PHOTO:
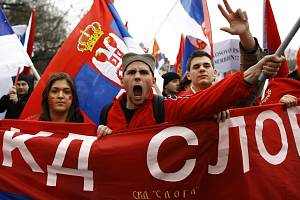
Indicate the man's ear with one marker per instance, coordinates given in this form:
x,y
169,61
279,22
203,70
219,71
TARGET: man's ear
x,y
122,81
188,75
154,80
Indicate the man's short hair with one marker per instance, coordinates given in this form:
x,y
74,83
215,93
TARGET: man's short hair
x,y
129,58
195,54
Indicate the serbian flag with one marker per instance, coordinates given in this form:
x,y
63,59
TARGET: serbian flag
x,y
198,23
191,44
206,26
159,58
12,54
178,64
92,55
156,50
271,38
197,29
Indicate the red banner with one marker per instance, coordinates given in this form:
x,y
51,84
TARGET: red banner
x,y
252,155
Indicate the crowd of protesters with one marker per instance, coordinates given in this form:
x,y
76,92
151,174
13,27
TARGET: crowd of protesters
x,y
193,98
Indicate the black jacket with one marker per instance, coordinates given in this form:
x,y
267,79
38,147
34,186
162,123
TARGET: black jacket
x,y
13,110
294,75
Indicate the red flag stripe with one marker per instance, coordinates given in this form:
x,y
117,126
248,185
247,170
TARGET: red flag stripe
x,y
178,64
272,38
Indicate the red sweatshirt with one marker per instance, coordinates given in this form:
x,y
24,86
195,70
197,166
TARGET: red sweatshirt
x,y
204,104
187,92
279,87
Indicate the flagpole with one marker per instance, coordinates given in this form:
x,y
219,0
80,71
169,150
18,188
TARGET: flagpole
x,y
35,72
165,19
17,77
283,46
262,78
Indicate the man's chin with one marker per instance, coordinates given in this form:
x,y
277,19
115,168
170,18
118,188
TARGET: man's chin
x,y
138,100
205,83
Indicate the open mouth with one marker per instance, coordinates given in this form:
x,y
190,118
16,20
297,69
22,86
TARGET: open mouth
x,y
137,90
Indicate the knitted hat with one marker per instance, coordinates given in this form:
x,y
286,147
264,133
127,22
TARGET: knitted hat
x,y
129,58
170,76
29,79
22,77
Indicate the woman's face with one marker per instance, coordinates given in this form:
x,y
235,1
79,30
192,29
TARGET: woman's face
x,y
60,96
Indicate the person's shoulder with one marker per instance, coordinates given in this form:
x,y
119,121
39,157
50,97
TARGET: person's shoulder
x,y
6,96
187,92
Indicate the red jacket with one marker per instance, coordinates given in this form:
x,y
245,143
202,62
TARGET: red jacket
x,y
279,87
187,92
204,104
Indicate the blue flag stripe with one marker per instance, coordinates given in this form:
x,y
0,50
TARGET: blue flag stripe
x,y
188,50
5,28
9,196
195,9
117,24
94,92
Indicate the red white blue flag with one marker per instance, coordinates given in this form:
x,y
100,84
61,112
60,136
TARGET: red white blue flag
x,y
92,55
12,54
197,29
178,64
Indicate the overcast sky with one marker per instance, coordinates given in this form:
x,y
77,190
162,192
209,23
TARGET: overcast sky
x,y
145,19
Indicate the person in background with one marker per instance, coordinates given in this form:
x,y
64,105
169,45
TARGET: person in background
x,y
184,84
171,84
200,71
291,100
14,102
60,101
200,66
283,90
295,74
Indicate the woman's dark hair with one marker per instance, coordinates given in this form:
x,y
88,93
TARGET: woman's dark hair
x,y
73,115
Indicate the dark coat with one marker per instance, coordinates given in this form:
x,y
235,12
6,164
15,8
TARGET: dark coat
x,y
13,110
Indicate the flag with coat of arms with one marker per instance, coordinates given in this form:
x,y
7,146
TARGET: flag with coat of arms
x,y
92,55
192,18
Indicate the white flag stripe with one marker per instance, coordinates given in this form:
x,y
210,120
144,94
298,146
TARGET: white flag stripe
x,y
12,55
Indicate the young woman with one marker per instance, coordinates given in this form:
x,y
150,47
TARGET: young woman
x,y
60,101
